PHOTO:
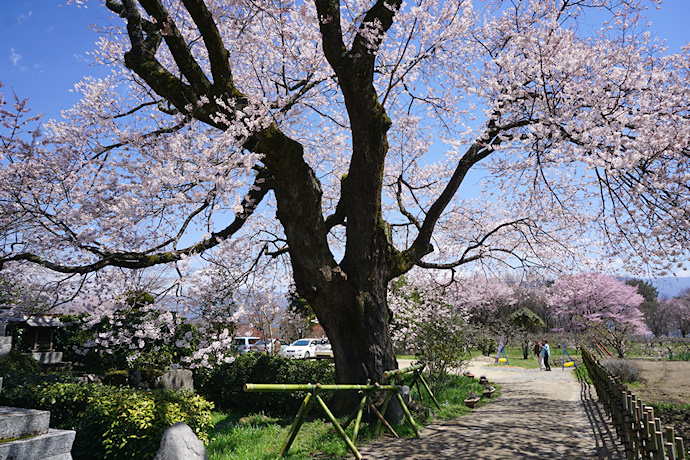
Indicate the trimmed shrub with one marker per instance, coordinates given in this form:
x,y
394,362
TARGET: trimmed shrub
x,y
19,368
116,378
680,356
487,346
622,369
114,422
224,385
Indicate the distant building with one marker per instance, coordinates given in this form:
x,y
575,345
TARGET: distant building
x,y
38,332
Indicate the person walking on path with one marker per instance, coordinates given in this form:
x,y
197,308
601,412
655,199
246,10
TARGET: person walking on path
x,y
546,353
537,417
537,353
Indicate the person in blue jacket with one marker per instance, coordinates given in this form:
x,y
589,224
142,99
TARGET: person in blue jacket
x,y
546,353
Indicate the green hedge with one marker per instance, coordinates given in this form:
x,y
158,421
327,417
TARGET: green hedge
x,y
113,422
224,385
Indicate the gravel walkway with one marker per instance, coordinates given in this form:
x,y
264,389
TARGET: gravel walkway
x,y
540,415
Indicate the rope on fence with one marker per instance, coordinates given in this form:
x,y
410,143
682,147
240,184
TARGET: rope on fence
x,y
636,426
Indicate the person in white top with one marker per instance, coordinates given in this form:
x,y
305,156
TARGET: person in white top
x,y
538,354
546,353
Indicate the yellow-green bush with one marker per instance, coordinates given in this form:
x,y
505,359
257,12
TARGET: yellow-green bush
x,y
114,422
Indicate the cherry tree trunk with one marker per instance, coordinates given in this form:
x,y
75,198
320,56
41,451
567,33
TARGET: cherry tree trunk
x,y
357,325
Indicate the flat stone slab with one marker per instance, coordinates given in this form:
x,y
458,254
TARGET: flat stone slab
x,y
54,445
19,423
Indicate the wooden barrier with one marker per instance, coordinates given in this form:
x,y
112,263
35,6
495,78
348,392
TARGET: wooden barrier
x,y
636,426
313,394
417,370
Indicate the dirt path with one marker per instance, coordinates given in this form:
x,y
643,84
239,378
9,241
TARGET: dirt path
x,y
540,415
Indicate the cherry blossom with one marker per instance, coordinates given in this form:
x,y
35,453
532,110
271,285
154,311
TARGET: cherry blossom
x,y
338,146
598,303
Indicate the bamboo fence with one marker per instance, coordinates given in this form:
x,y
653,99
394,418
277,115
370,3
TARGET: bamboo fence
x,y
636,426
417,370
313,391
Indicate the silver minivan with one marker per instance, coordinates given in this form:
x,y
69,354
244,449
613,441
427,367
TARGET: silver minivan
x,y
244,344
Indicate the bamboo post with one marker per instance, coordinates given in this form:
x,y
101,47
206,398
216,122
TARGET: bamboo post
x,y
642,428
297,423
405,370
419,390
428,390
384,407
338,428
408,415
313,393
417,369
382,419
358,410
358,420
286,387
634,425
415,383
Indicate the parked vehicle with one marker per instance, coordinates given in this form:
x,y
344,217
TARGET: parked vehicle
x,y
302,348
244,344
268,346
324,350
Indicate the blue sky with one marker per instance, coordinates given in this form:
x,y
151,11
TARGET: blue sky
x,y
43,46
43,50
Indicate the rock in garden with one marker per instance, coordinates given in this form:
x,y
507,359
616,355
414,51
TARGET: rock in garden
x,y
177,379
394,413
180,443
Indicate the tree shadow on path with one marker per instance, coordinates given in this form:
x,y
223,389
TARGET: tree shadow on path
x,y
535,418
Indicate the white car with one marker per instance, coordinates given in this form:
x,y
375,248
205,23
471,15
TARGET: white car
x,y
302,348
324,350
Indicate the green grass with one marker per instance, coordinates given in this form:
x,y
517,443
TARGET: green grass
x,y
257,437
405,357
515,358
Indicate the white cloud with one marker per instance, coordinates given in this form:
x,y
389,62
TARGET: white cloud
x,y
15,57
23,17
81,58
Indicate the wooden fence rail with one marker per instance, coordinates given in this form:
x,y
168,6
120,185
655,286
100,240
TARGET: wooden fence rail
x,y
636,426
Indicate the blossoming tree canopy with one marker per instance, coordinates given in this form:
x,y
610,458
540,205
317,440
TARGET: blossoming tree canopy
x,y
599,302
266,132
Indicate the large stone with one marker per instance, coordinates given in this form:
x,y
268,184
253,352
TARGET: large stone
x,y
177,379
19,423
54,445
180,443
5,345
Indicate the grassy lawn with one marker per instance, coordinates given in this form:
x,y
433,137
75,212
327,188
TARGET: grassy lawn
x,y
515,358
259,437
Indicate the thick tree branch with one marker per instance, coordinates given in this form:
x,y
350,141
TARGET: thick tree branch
x,y
262,185
401,262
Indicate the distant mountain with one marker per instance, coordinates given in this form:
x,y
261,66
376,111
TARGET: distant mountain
x,y
671,286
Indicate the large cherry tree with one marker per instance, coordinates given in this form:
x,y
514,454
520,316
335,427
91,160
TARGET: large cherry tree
x,y
345,140
599,304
